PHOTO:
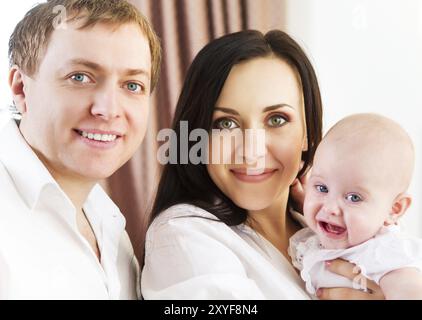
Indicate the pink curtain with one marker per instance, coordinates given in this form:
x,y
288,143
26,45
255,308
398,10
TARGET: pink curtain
x,y
184,27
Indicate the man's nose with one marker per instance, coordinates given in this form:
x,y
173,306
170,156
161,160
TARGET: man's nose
x,y
106,104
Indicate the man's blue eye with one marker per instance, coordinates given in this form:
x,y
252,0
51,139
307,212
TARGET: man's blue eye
x,y
321,188
353,197
79,77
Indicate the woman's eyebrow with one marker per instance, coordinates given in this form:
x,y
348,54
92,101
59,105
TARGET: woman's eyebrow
x,y
266,109
277,106
227,110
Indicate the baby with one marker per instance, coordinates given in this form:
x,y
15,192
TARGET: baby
x,y
355,195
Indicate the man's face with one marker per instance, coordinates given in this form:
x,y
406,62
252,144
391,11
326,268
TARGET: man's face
x,y
86,109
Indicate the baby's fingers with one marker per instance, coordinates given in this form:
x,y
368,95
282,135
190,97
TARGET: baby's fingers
x,y
352,272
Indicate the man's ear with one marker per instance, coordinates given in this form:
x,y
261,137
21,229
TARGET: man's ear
x,y
17,81
401,203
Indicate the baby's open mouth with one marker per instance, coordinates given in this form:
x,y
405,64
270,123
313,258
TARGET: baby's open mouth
x,y
332,229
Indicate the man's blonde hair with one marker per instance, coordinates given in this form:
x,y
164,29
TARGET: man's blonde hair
x,y
31,36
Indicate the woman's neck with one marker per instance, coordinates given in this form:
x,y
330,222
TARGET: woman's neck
x,y
274,224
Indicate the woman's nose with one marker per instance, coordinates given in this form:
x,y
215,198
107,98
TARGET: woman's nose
x,y
254,146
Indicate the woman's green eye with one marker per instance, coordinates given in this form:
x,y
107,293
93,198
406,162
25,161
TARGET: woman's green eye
x,y
276,121
134,87
226,124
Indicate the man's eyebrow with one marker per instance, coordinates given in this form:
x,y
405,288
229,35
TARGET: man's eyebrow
x,y
136,72
86,63
266,109
95,66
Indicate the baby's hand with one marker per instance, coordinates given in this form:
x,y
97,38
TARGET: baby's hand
x,y
349,270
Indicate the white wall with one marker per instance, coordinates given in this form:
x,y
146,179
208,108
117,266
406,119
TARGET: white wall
x,y
368,57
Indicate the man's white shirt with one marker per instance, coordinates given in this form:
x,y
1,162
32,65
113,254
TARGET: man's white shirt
x,y
42,253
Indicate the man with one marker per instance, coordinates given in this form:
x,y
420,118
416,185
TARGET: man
x,y
82,73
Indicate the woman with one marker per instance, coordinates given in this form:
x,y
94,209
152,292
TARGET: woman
x,y
221,230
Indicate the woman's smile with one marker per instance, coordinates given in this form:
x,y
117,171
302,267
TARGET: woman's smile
x,y
253,174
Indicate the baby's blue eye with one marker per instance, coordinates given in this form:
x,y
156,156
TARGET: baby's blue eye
x,y
276,121
353,197
321,188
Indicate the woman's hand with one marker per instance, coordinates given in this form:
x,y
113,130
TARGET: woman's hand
x,y
351,272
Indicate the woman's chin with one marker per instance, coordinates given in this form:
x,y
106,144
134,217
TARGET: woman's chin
x,y
253,203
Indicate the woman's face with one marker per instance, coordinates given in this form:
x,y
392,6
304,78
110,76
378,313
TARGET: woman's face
x,y
257,157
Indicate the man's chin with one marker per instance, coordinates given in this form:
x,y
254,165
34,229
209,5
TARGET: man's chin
x,y
96,174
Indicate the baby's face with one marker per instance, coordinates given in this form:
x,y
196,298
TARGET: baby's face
x,y
348,197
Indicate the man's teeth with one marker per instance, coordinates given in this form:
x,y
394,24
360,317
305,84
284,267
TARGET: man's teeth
x,y
98,137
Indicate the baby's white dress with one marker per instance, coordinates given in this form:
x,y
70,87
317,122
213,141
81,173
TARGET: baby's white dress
x,y
389,250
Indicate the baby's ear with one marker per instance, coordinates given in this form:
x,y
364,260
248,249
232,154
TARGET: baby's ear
x,y
401,203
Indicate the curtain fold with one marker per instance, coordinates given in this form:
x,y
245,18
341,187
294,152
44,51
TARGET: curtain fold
x,y
184,27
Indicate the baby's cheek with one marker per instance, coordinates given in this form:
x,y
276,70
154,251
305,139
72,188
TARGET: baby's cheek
x,y
310,211
359,230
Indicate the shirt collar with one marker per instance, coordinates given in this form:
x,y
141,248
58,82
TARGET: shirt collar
x,y
36,186
99,204
106,217
28,173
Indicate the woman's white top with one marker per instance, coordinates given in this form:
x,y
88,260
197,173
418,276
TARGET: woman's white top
x,y
190,254
389,250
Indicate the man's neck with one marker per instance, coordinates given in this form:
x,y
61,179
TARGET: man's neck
x,y
75,189
78,190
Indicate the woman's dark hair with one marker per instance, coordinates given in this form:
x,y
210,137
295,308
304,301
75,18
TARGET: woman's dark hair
x,y
191,183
